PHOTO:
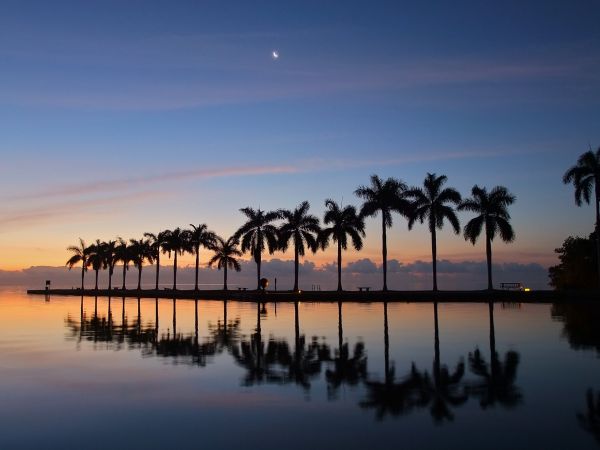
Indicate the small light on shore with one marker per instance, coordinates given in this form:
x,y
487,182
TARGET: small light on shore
x,y
527,289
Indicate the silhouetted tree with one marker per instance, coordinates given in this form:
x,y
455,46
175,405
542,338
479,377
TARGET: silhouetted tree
x,y
123,254
434,204
302,229
225,255
176,241
583,175
200,236
257,234
157,242
384,197
95,258
140,251
79,256
492,213
344,222
578,264
110,259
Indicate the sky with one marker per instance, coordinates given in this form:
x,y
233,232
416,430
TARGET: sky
x,y
118,118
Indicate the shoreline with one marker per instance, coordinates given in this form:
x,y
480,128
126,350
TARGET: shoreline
x,y
541,296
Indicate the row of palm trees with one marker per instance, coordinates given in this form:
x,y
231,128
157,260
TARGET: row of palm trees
x,y
343,225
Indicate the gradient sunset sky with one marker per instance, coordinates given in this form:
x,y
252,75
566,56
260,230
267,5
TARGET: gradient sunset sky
x,y
118,118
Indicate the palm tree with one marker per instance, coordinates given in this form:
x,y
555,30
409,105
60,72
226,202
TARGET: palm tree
x,y
110,259
95,258
384,197
123,254
140,250
433,203
157,242
301,228
176,241
79,255
344,222
225,256
200,236
583,175
257,233
492,210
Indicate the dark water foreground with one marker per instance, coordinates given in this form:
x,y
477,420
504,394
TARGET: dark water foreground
x,y
85,372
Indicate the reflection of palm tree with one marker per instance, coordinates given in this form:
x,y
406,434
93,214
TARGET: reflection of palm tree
x,y
344,222
583,175
225,256
346,369
79,256
498,384
590,421
257,234
383,197
301,228
200,236
492,210
157,242
433,203
226,334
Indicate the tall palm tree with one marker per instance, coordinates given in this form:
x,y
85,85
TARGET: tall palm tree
x,y
157,242
225,257
176,241
434,203
384,197
257,234
95,258
301,228
123,254
110,259
583,175
200,236
492,212
344,222
79,256
140,251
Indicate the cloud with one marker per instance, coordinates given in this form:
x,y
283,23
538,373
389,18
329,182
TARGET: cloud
x,y
364,265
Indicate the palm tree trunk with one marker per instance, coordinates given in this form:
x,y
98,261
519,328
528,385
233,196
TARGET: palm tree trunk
x,y
434,257
175,271
488,252
386,343
436,338
492,332
384,250
296,264
82,276
157,267
96,279
340,328
339,267
110,274
197,265
124,274
140,277
597,185
296,325
225,278
258,261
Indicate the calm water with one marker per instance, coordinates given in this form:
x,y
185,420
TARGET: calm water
x,y
213,374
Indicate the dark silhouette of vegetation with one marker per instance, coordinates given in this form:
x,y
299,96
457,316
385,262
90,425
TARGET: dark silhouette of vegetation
x,y
585,175
123,254
344,222
177,242
140,251
384,197
590,420
95,258
578,264
157,243
302,229
226,253
257,234
434,204
492,213
80,255
109,254
200,236
580,324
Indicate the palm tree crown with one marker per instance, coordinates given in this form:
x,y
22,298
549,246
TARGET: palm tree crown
x,y
140,251
157,241
344,222
492,212
226,253
123,254
95,258
257,234
176,241
79,256
301,228
200,236
384,197
433,203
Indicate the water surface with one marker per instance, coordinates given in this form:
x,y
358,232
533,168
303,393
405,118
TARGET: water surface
x,y
123,373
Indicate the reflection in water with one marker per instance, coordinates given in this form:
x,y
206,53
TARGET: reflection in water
x,y
580,324
497,385
590,420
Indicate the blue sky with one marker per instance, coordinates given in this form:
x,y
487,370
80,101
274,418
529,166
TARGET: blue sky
x,y
123,117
